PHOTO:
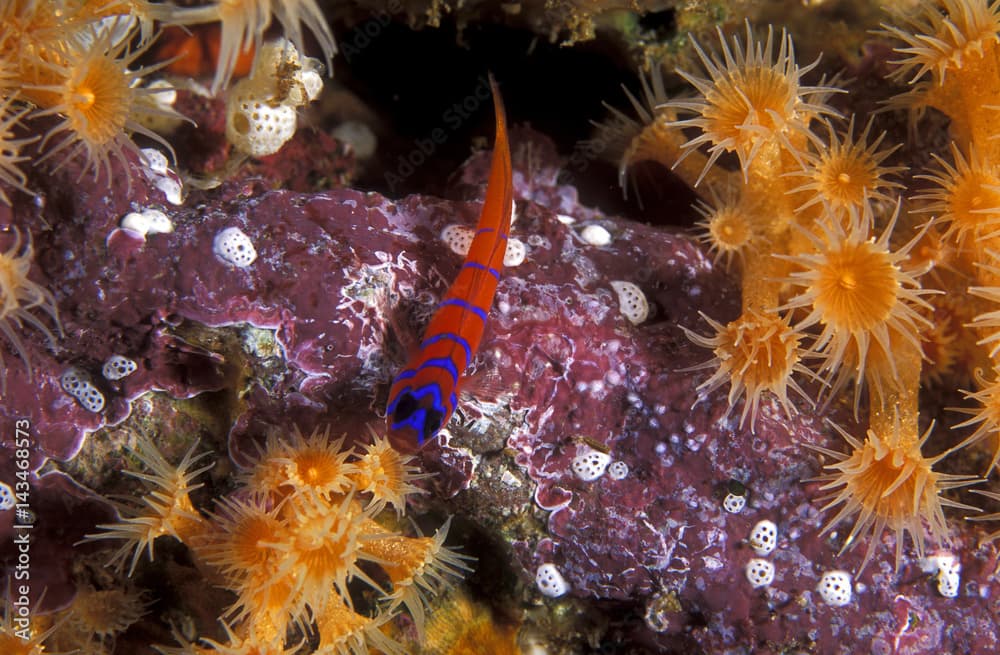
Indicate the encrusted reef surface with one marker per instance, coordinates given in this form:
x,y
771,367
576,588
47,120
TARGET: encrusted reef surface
x,y
308,334
196,356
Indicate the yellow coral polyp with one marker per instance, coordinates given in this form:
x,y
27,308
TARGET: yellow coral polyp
x,y
847,172
323,550
289,558
19,296
316,464
417,567
942,35
749,99
89,85
855,288
386,474
755,354
888,483
986,417
342,631
967,196
165,510
10,148
727,229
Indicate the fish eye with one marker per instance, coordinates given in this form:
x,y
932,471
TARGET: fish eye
x,y
432,423
404,408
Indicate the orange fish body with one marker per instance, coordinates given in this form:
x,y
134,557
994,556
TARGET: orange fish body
x,y
424,394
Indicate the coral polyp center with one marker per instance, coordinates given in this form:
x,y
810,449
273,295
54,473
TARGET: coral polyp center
x,y
856,288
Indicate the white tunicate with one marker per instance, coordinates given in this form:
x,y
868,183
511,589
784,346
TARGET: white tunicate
x,y
72,381
759,572
91,398
118,367
148,221
835,587
155,161
234,247
458,238
734,503
261,109
618,470
312,82
171,188
158,172
590,465
565,220
948,583
764,537
595,235
6,497
949,574
77,384
631,301
253,125
515,253
550,581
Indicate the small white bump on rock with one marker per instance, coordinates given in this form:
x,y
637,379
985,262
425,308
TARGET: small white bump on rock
x,y
234,247
171,188
764,537
734,503
759,572
836,588
550,581
948,572
516,252
91,398
590,465
156,162
565,219
631,301
618,470
948,583
157,170
6,497
254,126
148,221
77,384
312,83
160,100
458,238
118,367
595,235
72,381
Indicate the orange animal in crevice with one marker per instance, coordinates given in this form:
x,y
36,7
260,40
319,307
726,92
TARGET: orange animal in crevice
x,y
195,52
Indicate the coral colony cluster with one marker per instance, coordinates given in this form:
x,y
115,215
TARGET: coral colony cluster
x,y
655,427
840,285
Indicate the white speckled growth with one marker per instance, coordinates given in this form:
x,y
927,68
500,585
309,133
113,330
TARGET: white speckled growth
x,y
835,587
234,247
550,581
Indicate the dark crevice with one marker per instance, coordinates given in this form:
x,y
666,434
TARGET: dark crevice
x,y
419,81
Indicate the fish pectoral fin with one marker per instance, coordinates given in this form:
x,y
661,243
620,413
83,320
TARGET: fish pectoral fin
x,y
483,385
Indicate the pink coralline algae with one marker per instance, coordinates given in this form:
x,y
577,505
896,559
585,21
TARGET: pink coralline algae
x,y
341,277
